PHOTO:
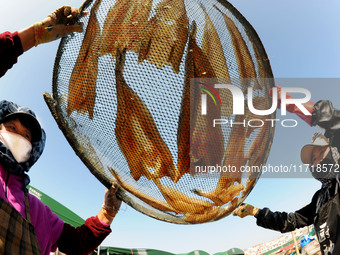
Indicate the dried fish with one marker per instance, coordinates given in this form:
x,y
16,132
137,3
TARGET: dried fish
x,y
258,147
123,26
244,60
182,202
137,133
165,37
228,194
207,141
183,135
250,183
206,216
260,65
222,196
234,154
259,103
158,204
82,86
261,60
212,48
234,159
227,209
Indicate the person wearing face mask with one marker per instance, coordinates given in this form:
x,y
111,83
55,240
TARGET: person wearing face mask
x,y
22,142
27,225
323,156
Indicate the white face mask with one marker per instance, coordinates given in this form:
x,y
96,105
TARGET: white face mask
x,y
19,146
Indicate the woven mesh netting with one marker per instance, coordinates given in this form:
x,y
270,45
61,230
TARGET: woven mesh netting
x,y
129,93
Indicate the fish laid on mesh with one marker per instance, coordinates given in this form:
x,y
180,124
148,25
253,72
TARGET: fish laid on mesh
x,y
135,95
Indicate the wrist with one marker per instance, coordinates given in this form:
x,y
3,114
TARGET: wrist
x,y
255,211
39,33
27,38
109,211
105,217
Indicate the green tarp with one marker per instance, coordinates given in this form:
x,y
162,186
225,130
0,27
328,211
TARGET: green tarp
x,y
197,252
64,213
232,251
124,251
73,219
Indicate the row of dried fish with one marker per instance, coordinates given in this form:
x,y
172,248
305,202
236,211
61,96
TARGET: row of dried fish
x,y
136,131
144,149
161,40
195,210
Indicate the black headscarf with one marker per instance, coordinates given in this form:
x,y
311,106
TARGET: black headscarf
x,y
6,158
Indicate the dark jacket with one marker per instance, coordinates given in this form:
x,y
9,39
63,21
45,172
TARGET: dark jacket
x,y
325,116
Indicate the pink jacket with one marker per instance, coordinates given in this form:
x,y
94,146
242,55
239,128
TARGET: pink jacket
x,y
47,225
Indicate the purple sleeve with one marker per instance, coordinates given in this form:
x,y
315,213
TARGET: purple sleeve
x,y
10,50
84,239
47,225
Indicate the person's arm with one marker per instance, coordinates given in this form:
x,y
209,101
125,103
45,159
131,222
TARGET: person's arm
x,y
86,238
285,222
280,221
26,38
56,25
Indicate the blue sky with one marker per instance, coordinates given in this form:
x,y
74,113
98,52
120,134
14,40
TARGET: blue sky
x,y
302,41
